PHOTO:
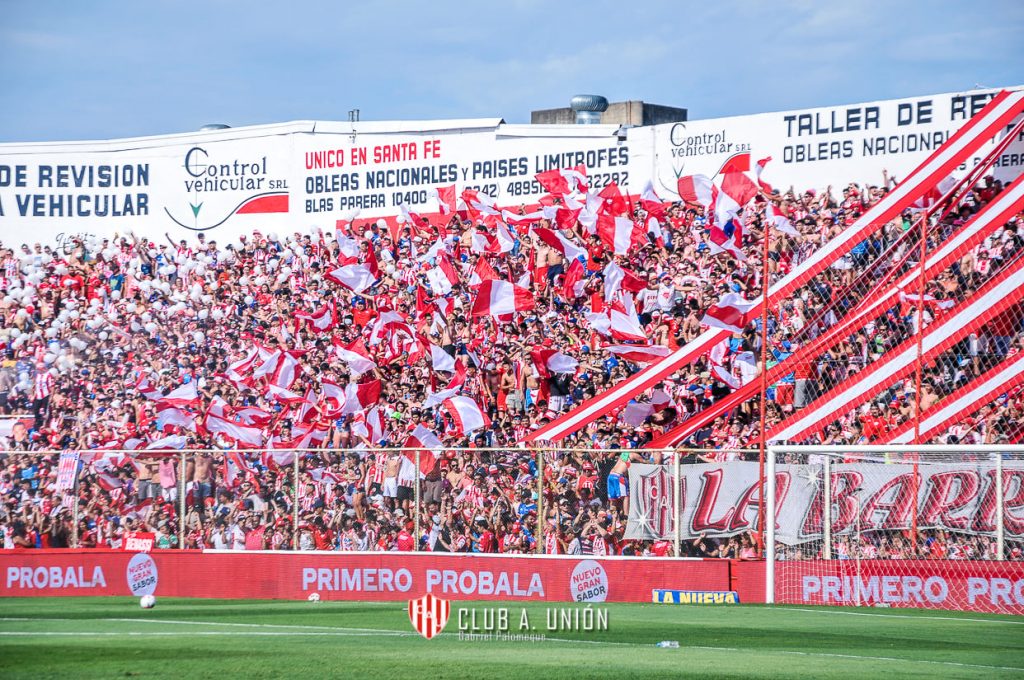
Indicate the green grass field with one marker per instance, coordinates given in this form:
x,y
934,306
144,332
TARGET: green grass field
x,y
113,637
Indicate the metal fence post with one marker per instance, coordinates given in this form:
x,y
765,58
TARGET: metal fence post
x,y
74,508
1000,510
416,509
182,486
295,502
540,502
769,527
827,505
677,510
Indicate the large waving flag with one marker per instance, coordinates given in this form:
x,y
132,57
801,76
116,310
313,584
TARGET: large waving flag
x,y
501,299
355,355
426,442
730,313
566,247
619,234
355,277
322,320
467,414
640,354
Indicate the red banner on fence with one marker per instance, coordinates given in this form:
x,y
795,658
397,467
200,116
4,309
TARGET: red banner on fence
x,y
138,541
929,584
350,576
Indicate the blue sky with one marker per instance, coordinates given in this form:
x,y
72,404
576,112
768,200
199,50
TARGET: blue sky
x,y
104,68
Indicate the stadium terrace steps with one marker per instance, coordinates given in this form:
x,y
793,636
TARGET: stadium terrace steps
x,y
958,405
994,298
957,149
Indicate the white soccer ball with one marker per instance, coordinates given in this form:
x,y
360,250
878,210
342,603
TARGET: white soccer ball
x,y
147,601
314,597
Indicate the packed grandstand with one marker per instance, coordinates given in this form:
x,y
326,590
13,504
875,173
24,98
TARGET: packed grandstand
x,y
196,377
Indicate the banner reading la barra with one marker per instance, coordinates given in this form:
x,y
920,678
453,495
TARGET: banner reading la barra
x,y
352,576
722,499
297,176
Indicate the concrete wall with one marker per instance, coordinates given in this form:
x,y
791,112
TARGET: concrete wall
x,y
633,112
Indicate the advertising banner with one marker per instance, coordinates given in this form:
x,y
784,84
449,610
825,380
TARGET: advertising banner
x,y
352,576
296,176
995,587
819,147
722,499
283,178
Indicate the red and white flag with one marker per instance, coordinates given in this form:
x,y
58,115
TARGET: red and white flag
x,y
619,234
282,396
651,202
332,399
467,414
242,435
697,189
146,388
625,324
359,397
573,285
168,416
445,199
288,368
612,201
616,278
933,195
355,356
322,320
550,361
566,247
503,238
778,219
426,442
441,360
482,271
730,313
639,354
186,395
501,299
726,377
564,181
758,169
174,441
108,482
439,283
355,277
369,425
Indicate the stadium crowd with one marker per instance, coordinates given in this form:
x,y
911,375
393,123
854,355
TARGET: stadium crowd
x,y
124,343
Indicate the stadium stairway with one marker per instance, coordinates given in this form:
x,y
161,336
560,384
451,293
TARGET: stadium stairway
x,y
973,233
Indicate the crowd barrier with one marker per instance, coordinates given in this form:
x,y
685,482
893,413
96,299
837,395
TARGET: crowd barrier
x,y
390,576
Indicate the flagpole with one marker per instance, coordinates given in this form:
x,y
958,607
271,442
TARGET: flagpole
x,y
919,370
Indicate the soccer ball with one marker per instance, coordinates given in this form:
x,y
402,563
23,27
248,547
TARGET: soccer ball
x,y
147,601
314,597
